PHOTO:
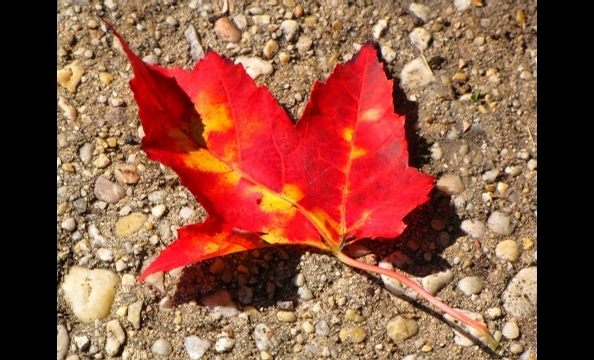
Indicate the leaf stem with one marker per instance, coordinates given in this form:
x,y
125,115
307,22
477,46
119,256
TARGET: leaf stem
x,y
491,342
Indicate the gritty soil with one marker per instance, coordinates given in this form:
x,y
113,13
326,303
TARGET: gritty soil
x,y
455,126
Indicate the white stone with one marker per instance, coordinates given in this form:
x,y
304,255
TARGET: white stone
x,y
290,29
379,28
460,338
420,38
419,10
220,302
90,293
254,66
450,184
434,282
162,347
510,330
416,74
462,5
500,223
265,338
195,346
470,285
63,342
474,228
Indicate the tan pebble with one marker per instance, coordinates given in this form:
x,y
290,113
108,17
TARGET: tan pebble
x,y
307,327
243,269
69,77
284,58
459,77
508,250
483,109
521,17
112,142
311,20
226,30
177,320
337,26
343,334
265,355
68,167
105,78
130,224
123,311
62,208
501,187
148,226
358,335
102,162
353,315
299,11
527,243
69,111
270,49
400,328
127,174
426,348
286,316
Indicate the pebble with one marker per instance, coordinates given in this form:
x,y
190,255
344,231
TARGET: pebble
x,y
82,342
134,313
500,223
419,10
158,210
303,44
392,285
261,20
130,224
416,74
322,328
156,196
438,224
90,293
304,293
240,21
388,53
494,313
265,338
245,294
226,30
186,212
307,327
519,298
254,66
104,254
459,337
107,191
379,28
508,250
516,349
400,328
474,228
514,170
105,78
127,174
270,49
353,315
110,5
526,75
420,38
357,335
170,20
63,342
286,316
450,184
86,153
470,285
510,330
462,5
69,77
220,302
435,282
290,29
532,164
69,111
150,59
162,347
165,304
195,346
224,343
102,162
115,337
69,224
284,58
491,175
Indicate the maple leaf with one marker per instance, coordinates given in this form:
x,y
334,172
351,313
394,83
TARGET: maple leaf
x,y
339,175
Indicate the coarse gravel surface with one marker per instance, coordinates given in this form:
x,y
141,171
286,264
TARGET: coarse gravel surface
x,y
466,81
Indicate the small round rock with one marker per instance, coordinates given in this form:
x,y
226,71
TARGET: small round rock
x,y
510,330
508,250
69,224
470,285
162,347
400,328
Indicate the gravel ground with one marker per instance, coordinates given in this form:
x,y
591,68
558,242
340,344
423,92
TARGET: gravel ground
x,y
471,122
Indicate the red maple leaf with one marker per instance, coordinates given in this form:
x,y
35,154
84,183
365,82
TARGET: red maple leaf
x,y
339,175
